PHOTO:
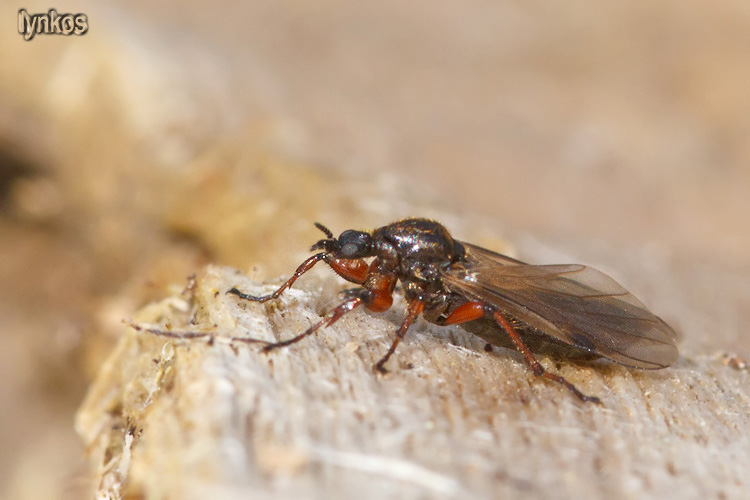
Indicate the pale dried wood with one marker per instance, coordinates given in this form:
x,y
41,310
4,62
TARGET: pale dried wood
x,y
203,418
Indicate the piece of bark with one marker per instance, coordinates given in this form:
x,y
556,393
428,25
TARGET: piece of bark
x,y
208,417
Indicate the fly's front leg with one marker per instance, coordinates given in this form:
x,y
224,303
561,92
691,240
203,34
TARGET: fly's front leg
x,y
329,319
376,296
302,269
354,270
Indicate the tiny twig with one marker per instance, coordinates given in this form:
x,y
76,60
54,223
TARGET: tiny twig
x,y
190,335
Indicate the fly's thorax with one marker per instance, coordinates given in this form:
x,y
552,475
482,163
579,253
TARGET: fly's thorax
x,y
415,286
419,241
417,251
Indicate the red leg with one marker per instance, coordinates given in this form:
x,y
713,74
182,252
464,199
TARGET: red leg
x,y
302,269
327,320
465,312
378,293
413,310
535,366
376,296
354,270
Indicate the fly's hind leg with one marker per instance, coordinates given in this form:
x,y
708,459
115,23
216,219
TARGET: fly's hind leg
x,y
535,366
471,311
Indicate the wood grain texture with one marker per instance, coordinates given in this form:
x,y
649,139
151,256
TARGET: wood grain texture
x,y
198,418
169,138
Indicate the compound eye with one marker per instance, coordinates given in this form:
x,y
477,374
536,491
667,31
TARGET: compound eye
x,y
353,244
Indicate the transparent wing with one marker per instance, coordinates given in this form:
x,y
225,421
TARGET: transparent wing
x,y
579,305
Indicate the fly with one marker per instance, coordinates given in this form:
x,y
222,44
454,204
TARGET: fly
x,y
569,311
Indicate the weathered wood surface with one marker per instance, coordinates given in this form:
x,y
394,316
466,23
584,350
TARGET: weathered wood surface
x,y
164,140
201,419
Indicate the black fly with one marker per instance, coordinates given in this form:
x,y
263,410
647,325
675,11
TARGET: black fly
x,y
568,311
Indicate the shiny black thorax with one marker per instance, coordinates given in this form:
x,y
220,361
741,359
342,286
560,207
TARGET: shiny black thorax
x,y
416,250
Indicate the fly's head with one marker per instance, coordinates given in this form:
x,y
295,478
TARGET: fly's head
x,y
350,244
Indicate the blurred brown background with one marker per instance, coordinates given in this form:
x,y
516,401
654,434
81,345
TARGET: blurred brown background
x,y
171,135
